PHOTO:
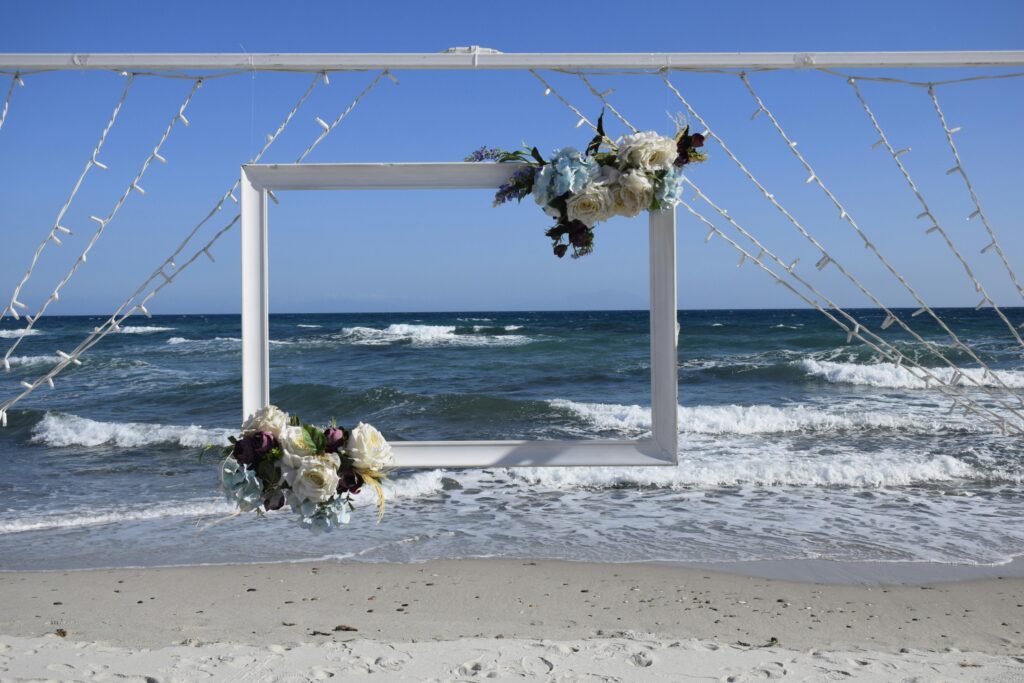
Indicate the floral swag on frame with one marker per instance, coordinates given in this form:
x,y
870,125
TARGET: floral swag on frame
x,y
277,460
638,172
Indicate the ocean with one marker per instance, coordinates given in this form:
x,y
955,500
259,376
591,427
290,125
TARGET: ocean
x,y
793,443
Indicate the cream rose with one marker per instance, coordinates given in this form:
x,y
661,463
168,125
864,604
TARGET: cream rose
x,y
647,151
293,443
316,479
633,194
593,204
270,419
368,449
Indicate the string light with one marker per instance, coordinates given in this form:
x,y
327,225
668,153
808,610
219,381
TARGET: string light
x,y
126,309
937,227
71,197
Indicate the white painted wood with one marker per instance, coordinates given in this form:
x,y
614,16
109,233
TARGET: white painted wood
x,y
426,176
255,288
258,179
483,59
664,331
606,453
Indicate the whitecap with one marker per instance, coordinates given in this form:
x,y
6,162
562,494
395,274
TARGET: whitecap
x,y
892,376
144,329
62,430
96,517
15,334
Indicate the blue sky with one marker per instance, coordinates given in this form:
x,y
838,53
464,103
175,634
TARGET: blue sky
x,y
450,250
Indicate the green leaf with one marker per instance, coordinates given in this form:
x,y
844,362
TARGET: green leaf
x,y
314,438
595,143
536,155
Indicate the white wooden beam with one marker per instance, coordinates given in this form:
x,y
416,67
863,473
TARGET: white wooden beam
x,y
482,58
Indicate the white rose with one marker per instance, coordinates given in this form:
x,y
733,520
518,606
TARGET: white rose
x,y
291,464
593,204
269,419
293,443
633,194
316,479
368,449
647,151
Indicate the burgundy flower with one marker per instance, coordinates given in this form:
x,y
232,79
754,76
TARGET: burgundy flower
x,y
336,438
696,140
250,450
275,501
349,480
581,236
560,250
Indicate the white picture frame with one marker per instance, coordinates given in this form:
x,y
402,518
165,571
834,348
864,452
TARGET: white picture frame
x,y
661,448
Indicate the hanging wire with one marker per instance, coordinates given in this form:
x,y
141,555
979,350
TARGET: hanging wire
x,y
845,215
962,171
926,212
856,329
163,279
16,79
57,227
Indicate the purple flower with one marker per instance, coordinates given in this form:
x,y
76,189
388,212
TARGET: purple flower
x,y
275,501
336,438
250,450
484,154
560,250
349,480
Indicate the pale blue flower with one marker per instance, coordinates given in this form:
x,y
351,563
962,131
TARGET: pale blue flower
x,y
328,516
241,485
568,171
669,190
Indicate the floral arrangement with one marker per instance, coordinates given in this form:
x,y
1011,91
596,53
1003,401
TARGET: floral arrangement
x,y
638,172
279,460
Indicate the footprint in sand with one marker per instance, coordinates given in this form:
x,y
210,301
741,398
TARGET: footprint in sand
x,y
640,659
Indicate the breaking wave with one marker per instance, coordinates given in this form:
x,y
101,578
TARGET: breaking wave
x,y
58,429
428,335
756,419
890,375
14,334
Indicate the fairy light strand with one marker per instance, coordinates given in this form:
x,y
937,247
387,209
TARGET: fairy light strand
x,y
15,304
133,187
825,260
845,215
962,171
930,215
129,308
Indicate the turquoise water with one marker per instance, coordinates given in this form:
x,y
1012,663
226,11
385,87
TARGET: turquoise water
x,y
794,444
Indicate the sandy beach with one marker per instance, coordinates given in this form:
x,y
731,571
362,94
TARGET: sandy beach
x,y
504,619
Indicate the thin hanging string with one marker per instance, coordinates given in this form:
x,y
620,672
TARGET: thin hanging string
x,y
549,90
603,96
826,258
57,227
862,332
927,213
102,223
16,79
962,171
968,405
923,84
857,327
163,278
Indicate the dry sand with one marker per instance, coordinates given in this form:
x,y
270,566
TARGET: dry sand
x,y
500,619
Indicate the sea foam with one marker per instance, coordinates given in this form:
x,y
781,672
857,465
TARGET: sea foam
x,y
15,334
58,429
890,375
144,329
755,419
71,520
427,335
